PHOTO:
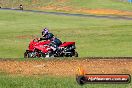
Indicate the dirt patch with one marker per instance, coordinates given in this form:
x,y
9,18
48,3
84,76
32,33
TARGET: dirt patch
x,y
106,12
87,11
67,67
58,8
62,1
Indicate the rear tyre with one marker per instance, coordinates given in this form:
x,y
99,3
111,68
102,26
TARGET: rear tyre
x,y
76,54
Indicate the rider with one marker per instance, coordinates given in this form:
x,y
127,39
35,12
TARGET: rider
x,y
46,35
21,7
55,42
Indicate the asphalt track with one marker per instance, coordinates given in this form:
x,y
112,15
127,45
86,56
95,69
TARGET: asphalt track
x,y
69,14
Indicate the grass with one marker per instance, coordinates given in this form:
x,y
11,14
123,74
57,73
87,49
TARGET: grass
x,y
89,4
93,37
103,4
13,81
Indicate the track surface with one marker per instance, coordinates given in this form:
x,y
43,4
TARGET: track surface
x,y
66,67
69,14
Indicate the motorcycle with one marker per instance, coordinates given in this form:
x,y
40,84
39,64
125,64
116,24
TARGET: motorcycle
x,y
44,49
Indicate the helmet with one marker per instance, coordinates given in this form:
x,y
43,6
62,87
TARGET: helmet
x,y
45,31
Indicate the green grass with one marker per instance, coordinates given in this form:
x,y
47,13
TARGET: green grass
x,y
103,4
13,81
93,37
90,4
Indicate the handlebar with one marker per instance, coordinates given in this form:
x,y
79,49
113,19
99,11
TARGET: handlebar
x,y
36,40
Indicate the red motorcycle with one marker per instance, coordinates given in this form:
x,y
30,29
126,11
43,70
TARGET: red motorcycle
x,y
44,49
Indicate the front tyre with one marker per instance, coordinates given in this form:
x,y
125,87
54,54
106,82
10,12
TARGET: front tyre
x,y
26,54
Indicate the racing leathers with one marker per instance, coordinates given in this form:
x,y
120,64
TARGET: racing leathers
x,y
55,43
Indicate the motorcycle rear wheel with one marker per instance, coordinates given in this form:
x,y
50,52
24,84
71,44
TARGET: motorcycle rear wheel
x,y
76,54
